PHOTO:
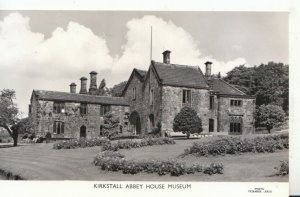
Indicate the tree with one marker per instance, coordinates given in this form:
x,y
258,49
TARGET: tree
x,y
117,89
187,121
25,125
270,116
9,113
111,124
268,82
103,90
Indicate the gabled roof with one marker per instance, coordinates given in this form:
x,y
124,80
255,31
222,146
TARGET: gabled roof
x,y
136,72
78,98
223,87
180,75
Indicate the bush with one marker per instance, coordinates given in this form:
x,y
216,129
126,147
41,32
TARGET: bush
x,y
113,161
187,121
81,143
236,145
283,169
128,144
124,136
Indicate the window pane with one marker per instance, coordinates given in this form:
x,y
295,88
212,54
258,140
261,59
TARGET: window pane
x,y
54,127
183,96
62,127
58,127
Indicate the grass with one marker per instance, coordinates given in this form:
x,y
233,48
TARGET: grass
x,y
41,162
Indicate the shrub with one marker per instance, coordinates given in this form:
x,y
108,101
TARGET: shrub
x,y
283,169
81,143
237,145
187,121
128,144
113,161
124,136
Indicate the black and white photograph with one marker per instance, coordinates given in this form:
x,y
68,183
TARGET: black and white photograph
x,y
161,96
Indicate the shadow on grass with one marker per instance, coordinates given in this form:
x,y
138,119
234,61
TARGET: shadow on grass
x,y
9,146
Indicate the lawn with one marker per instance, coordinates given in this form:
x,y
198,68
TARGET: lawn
x,y
41,162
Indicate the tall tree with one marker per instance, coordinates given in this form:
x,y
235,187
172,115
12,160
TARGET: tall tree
x,y
268,82
9,113
117,89
103,90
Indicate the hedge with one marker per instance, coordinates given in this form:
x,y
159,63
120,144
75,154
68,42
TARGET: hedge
x,y
236,145
81,143
128,144
113,161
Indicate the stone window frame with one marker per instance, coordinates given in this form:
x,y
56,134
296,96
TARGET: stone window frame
x,y
59,107
235,127
83,108
236,103
58,127
151,97
186,96
104,109
134,93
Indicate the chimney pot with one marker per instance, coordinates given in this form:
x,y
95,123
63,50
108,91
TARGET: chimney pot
x,y
83,89
73,88
166,56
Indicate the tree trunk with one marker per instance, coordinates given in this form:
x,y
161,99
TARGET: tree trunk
x,y
13,134
188,135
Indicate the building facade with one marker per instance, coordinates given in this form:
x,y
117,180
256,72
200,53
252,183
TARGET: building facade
x,y
149,100
157,95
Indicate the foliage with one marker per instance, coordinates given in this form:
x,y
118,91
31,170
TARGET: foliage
x,y
117,89
25,125
103,90
81,143
9,113
237,145
283,168
268,82
128,144
113,161
111,124
187,121
124,136
270,116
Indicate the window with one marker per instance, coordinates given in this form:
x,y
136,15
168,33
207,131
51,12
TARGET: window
x,y
235,102
211,102
134,93
104,109
58,107
83,108
58,127
151,96
186,96
211,125
235,127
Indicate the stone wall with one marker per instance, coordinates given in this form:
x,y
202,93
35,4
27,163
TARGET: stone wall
x,y
72,118
155,109
246,111
172,104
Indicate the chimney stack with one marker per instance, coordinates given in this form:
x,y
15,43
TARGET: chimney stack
x,y
93,83
166,56
83,85
73,88
208,69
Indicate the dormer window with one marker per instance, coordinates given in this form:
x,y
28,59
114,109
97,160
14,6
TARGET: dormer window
x,y
58,107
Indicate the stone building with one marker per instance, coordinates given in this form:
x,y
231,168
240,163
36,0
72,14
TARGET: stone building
x,y
150,99
75,115
157,95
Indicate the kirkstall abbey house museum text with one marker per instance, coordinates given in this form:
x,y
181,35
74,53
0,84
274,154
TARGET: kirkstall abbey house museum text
x,y
149,98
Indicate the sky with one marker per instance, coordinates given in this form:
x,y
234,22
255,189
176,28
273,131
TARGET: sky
x,y
48,50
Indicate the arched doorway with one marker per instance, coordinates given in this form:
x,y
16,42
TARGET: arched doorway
x,y
83,131
135,122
